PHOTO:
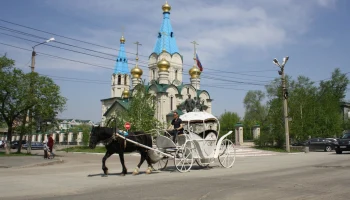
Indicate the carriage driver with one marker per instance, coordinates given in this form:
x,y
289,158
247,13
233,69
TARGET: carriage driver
x,y
178,129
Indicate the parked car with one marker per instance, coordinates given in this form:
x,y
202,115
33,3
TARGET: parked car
x,y
343,144
14,144
35,145
299,143
321,144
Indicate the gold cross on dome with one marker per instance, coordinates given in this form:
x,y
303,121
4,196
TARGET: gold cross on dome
x,y
137,49
194,49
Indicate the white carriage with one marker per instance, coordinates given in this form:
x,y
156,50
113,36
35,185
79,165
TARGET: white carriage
x,y
199,144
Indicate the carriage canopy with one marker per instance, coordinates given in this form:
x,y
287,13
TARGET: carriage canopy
x,y
198,117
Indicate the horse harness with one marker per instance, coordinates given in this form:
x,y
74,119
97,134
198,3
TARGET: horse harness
x,y
115,137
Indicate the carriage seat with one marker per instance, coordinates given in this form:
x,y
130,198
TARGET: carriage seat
x,y
164,142
122,133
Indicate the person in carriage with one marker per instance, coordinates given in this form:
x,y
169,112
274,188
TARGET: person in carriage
x,y
177,127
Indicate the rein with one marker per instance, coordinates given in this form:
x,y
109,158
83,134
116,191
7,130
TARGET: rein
x,y
116,135
109,140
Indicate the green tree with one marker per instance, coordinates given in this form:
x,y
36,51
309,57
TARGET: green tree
x,y
140,112
331,93
302,102
255,111
14,96
17,97
48,102
314,110
228,120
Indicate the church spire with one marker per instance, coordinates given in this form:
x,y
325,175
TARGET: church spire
x,y
121,66
195,72
166,40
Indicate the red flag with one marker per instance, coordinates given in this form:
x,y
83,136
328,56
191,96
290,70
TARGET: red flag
x,y
199,64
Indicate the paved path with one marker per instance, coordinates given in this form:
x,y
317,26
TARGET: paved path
x,y
316,175
244,151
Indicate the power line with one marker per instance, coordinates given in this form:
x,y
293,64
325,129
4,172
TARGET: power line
x,y
69,79
112,48
49,55
204,77
27,34
100,66
111,59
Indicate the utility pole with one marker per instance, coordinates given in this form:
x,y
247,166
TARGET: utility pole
x,y
285,97
32,67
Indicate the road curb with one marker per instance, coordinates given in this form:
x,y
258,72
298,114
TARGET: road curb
x,y
296,153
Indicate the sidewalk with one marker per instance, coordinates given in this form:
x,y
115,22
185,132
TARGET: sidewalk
x,y
27,161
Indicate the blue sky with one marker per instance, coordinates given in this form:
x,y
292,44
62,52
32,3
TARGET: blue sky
x,y
235,36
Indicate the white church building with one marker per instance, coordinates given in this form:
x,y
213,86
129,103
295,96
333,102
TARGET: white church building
x,y
165,72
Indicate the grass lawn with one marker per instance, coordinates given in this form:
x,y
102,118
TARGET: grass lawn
x,y
276,149
3,154
85,149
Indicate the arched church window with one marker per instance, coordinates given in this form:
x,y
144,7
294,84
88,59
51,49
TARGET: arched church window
x,y
175,74
119,79
154,74
159,35
171,103
124,60
188,90
125,80
120,59
171,34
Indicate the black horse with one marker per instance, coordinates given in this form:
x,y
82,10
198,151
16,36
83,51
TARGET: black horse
x,y
115,144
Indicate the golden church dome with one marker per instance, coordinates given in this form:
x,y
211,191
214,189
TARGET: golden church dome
x,y
166,7
194,72
125,94
163,65
122,39
136,72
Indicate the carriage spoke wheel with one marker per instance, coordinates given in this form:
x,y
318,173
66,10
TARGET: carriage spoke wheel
x,y
227,155
183,159
161,164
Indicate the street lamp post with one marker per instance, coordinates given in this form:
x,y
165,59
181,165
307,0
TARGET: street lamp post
x,y
32,90
34,53
285,97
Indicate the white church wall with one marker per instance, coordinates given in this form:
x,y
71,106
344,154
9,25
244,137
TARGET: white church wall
x,y
152,67
186,90
204,96
172,93
164,55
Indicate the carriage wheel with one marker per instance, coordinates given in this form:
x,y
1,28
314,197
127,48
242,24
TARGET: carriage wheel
x,y
183,160
161,164
227,155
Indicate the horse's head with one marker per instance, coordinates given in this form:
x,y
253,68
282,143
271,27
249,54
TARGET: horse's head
x,y
94,136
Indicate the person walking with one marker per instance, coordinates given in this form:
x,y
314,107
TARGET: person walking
x,y
46,149
50,144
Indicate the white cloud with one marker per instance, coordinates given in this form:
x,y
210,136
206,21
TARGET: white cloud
x,y
326,3
219,27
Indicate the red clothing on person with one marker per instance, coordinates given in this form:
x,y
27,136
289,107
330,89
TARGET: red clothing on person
x,y
50,143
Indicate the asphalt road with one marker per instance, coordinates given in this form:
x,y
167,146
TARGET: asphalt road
x,y
316,175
